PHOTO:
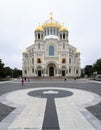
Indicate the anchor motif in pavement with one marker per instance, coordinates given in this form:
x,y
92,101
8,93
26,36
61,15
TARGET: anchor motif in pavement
x,y
43,108
50,117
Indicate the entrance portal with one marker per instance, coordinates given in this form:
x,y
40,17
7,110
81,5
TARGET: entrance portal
x,y
63,72
39,72
51,71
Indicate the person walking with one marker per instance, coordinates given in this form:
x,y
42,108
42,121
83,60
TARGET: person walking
x,y
65,79
22,81
25,79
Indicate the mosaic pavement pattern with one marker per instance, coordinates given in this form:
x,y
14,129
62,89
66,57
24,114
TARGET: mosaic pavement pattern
x,y
50,109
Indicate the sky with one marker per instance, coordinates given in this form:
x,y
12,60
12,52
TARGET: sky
x,y
19,18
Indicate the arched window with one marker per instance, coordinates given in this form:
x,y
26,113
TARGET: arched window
x,y
38,35
77,71
63,60
45,32
32,70
38,60
48,31
60,36
63,35
69,70
70,60
51,50
54,31
51,31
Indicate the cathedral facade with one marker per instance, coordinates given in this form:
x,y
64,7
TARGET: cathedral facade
x,y
51,54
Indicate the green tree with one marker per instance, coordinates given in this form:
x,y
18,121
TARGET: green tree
x,y
7,71
88,70
97,66
1,69
17,73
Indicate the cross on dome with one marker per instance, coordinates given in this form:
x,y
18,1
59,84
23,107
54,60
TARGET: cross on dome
x,y
51,15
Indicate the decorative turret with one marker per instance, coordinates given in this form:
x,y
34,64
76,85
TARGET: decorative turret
x,y
63,29
25,51
39,32
63,33
39,28
25,54
77,51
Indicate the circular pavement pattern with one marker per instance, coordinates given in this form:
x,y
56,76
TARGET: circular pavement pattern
x,y
33,106
50,93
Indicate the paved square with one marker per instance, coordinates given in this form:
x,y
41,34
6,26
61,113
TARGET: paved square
x,y
50,107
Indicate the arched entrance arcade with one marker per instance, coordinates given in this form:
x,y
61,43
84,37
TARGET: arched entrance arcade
x,y
52,69
63,71
39,71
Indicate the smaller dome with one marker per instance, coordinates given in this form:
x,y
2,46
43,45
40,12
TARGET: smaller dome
x,y
63,29
25,51
39,28
77,51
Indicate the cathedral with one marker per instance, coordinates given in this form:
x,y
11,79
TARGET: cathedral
x,y
51,54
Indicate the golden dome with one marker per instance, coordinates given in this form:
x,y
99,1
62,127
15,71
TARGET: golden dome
x,y
25,51
39,28
51,23
63,29
77,51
